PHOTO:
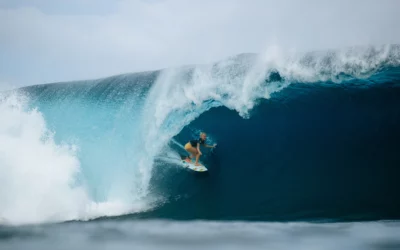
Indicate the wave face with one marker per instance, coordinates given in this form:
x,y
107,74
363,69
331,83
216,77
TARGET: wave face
x,y
330,152
300,137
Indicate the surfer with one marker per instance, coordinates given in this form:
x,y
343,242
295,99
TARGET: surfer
x,y
193,147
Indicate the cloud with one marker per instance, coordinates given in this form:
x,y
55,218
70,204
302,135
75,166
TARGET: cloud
x,y
70,7
44,42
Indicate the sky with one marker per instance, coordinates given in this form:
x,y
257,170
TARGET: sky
x,y
43,41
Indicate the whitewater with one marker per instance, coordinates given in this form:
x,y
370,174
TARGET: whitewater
x,y
88,149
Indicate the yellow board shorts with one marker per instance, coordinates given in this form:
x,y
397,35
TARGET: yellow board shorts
x,y
188,146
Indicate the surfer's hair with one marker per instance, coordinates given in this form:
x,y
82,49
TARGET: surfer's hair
x,y
202,133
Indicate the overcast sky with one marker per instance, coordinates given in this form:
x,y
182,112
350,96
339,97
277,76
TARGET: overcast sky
x,y
45,41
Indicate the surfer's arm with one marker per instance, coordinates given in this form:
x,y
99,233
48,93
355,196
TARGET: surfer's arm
x,y
209,146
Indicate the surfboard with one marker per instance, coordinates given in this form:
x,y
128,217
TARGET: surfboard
x,y
190,165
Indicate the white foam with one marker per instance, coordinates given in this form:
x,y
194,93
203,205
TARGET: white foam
x,y
357,62
37,176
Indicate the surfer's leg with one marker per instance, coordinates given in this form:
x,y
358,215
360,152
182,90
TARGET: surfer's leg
x,y
193,151
197,159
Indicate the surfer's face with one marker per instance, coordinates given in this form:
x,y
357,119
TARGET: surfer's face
x,y
203,136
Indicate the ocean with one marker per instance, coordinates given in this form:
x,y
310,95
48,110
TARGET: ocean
x,y
306,157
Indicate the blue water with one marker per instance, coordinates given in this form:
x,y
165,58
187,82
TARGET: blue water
x,y
302,139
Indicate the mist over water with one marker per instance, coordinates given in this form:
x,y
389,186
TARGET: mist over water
x,y
200,235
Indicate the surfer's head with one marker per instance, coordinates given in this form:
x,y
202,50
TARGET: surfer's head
x,y
203,135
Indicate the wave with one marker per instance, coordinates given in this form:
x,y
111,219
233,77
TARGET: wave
x,y
330,153
113,129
